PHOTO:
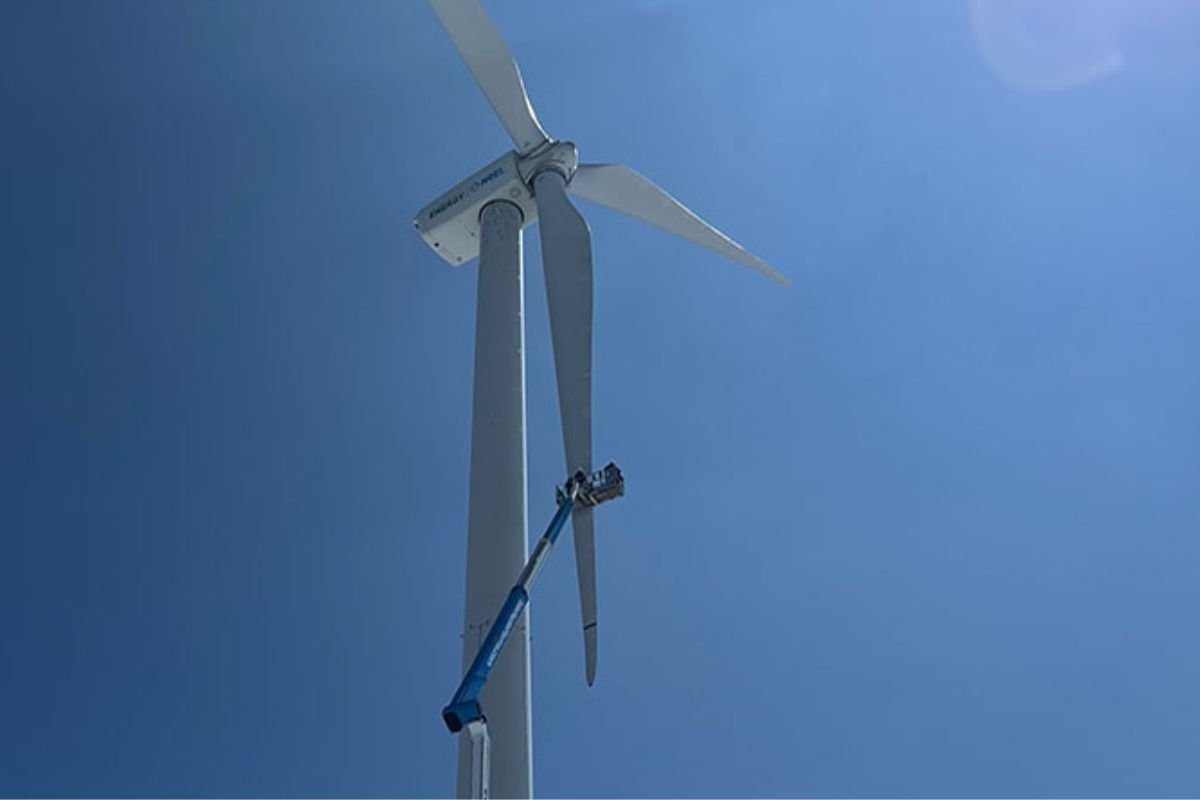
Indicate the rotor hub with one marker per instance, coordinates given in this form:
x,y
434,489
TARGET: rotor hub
x,y
562,157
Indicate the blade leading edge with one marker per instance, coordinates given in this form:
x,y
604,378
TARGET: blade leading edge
x,y
620,188
567,263
494,68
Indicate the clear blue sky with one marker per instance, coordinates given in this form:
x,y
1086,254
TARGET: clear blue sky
x,y
925,523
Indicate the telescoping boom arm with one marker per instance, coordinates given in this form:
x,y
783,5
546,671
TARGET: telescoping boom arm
x,y
464,707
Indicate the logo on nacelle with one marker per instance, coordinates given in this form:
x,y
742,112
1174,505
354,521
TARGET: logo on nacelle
x,y
476,185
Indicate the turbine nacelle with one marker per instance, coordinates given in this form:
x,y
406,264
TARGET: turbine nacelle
x,y
450,224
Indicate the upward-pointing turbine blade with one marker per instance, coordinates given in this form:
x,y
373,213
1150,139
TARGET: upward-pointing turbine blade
x,y
494,68
621,189
567,263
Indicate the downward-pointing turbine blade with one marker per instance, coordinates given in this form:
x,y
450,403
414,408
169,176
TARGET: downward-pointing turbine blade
x,y
621,189
494,68
585,567
567,263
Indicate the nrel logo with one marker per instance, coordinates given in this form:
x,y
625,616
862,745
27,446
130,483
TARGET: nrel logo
x,y
476,185
486,179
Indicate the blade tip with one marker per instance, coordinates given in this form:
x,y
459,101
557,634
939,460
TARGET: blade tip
x,y
589,642
771,272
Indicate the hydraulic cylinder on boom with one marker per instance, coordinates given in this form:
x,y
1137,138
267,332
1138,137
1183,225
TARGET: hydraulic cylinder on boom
x,y
590,490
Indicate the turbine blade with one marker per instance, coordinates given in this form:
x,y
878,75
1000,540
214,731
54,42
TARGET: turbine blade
x,y
620,188
585,568
494,68
567,263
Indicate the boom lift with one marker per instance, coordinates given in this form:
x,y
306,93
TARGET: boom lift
x,y
464,710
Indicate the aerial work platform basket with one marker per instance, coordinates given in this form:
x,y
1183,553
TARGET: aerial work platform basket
x,y
602,485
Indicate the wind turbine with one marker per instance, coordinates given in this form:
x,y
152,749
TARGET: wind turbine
x,y
484,216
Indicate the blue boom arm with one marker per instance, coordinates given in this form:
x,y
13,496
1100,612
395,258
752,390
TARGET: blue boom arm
x,y
464,707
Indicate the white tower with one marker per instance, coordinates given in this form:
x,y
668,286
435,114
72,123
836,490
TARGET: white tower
x,y
497,518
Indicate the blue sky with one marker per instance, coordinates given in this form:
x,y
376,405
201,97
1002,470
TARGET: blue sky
x,y
923,524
